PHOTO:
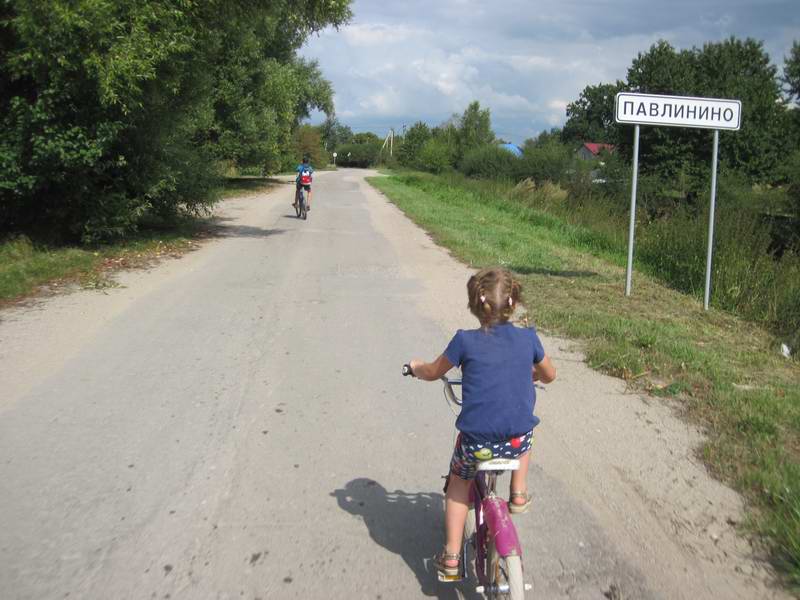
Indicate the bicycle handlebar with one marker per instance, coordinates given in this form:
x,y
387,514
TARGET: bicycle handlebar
x,y
448,385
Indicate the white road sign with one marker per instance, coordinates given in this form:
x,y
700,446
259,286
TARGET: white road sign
x,y
678,111
335,155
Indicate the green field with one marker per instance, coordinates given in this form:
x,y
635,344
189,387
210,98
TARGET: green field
x,y
727,373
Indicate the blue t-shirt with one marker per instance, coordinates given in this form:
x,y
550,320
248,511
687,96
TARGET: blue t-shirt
x,y
498,395
303,167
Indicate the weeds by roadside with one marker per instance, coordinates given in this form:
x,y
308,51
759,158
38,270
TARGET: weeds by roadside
x,y
27,268
726,373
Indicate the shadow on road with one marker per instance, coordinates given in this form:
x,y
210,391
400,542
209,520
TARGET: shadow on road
x,y
226,227
408,524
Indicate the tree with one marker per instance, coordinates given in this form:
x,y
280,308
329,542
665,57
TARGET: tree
x,y
738,69
308,142
591,117
791,73
474,128
113,109
544,137
334,133
415,138
366,137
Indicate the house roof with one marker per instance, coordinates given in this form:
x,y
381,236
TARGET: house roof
x,y
596,148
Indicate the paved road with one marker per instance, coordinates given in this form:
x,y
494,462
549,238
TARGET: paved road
x,y
233,425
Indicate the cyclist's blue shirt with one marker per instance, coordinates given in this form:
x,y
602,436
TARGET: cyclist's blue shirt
x,y
300,168
497,387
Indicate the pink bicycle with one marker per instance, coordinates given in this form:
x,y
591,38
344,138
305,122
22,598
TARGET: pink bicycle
x,y
489,530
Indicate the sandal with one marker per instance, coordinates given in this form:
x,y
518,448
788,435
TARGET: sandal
x,y
447,572
518,509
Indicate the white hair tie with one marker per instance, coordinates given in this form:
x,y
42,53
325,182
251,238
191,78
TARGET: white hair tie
x,y
483,299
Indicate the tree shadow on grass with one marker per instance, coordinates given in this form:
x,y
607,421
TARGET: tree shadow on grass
x,y
523,270
406,523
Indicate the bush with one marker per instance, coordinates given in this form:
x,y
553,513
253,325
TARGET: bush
x,y
550,161
408,153
489,162
436,156
358,155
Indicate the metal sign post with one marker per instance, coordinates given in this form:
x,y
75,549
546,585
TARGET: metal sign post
x,y
629,274
707,295
676,111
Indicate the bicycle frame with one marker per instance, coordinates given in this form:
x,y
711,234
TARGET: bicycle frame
x,y
492,521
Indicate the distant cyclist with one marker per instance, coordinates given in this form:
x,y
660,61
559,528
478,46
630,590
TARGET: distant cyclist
x,y
305,175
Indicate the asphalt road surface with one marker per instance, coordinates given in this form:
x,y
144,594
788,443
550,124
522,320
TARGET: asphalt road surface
x,y
233,424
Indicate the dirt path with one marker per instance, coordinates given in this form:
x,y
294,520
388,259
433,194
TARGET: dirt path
x,y
233,425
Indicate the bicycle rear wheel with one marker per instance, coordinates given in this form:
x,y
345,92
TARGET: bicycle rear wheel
x,y
504,575
298,200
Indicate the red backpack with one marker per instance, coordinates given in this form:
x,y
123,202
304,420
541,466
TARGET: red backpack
x,y
305,176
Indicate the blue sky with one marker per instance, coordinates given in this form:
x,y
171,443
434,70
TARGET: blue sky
x,y
400,62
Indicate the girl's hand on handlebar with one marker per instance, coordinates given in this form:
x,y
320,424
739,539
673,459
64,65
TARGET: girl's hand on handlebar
x,y
429,371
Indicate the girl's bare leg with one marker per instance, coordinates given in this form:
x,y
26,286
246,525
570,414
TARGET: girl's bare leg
x,y
455,515
519,478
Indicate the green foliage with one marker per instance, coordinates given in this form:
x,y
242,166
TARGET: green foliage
x,y
359,154
414,139
366,137
489,162
546,159
112,110
334,133
436,155
791,73
308,142
474,129
591,117
733,68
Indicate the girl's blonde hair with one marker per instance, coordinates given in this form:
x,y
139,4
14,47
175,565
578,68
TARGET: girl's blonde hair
x,y
493,295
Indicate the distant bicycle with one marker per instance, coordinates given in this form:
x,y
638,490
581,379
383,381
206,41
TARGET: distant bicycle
x,y
489,529
300,206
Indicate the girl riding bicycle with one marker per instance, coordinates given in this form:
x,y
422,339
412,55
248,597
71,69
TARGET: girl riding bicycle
x,y
499,363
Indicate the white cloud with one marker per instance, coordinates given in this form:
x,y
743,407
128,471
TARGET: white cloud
x,y
377,34
402,62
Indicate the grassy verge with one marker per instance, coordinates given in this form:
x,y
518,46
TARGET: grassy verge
x,y
27,268
725,372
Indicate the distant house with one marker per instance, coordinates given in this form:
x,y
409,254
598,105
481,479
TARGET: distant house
x,y
591,151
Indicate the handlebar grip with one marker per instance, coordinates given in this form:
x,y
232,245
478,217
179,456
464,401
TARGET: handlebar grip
x,y
407,370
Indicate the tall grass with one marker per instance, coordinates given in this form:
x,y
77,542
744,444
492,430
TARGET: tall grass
x,y
748,279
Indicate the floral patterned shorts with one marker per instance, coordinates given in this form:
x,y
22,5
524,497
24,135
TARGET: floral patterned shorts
x,y
468,454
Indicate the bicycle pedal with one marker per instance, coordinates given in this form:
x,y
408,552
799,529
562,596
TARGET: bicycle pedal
x,y
449,578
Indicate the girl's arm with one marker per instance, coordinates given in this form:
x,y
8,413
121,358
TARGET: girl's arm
x,y
544,371
430,371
